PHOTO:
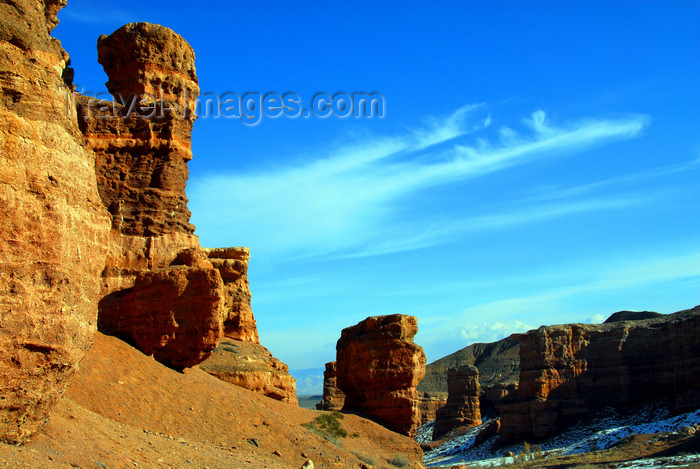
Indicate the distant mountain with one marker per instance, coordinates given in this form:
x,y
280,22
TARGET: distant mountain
x,y
498,363
632,316
309,381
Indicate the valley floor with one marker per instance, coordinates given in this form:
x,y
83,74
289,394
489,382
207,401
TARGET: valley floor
x,y
646,438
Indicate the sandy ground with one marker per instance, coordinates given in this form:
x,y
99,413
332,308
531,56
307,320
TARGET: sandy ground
x,y
125,410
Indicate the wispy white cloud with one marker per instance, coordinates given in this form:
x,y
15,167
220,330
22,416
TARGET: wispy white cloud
x,y
492,331
101,16
349,200
512,314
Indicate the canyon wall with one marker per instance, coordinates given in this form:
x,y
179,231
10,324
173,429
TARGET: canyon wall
x,y
54,227
378,368
569,370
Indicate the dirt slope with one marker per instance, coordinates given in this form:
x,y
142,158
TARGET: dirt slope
x,y
124,409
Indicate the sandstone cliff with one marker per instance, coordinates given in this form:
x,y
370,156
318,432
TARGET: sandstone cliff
x,y
378,369
54,228
569,370
462,408
163,293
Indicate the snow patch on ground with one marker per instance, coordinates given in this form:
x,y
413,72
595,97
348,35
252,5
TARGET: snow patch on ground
x,y
605,430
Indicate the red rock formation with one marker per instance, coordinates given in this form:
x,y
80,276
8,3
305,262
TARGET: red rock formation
x,y
150,298
54,228
143,149
379,367
569,370
333,397
232,264
462,408
252,366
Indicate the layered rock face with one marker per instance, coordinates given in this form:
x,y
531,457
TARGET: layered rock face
x,y
428,405
143,142
462,408
240,359
569,370
54,228
378,369
333,397
252,366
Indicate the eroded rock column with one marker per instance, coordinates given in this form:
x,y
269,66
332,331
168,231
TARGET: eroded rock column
x,y
378,369
462,408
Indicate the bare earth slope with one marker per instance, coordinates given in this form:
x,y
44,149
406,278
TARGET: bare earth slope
x,y
124,409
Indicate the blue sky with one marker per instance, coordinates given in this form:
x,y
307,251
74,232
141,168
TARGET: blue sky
x,y
537,163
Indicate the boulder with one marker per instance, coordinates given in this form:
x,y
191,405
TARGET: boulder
x,y
378,369
174,314
54,227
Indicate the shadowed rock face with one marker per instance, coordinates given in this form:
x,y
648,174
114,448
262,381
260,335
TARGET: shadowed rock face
x,y
569,370
54,228
378,369
462,408
174,314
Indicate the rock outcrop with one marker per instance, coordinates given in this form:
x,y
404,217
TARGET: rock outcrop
x,y
378,368
333,397
462,408
54,228
174,314
160,291
632,316
498,364
232,264
240,359
494,396
252,366
569,370
142,147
